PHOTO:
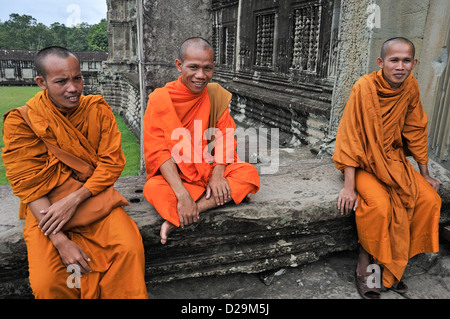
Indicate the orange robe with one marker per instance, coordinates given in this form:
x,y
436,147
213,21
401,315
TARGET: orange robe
x,y
176,126
398,213
113,243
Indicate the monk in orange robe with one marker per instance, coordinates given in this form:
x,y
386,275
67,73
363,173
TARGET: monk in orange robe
x,y
62,156
396,209
183,121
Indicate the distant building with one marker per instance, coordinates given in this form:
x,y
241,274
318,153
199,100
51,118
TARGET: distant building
x,y
17,68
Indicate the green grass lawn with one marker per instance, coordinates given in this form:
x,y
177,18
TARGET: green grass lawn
x,y
130,148
12,96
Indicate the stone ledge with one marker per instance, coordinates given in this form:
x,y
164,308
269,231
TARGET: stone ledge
x,y
290,222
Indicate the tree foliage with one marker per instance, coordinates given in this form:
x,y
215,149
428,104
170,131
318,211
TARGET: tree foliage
x,y
24,32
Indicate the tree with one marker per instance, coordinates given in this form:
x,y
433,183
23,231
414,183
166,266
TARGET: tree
x,y
60,32
39,37
98,37
15,30
24,32
77,38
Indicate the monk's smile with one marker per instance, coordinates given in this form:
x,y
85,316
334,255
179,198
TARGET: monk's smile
x,y
199,85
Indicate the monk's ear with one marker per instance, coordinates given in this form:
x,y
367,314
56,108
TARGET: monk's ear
x,y
178,64
414,63
40,81
380,63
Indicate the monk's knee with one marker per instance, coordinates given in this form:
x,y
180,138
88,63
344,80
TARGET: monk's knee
x,y
150,187
430,199
131,247
380,209
384,212
155,186
251,168
152,183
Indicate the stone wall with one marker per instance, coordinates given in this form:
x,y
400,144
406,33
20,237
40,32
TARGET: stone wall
x,y
354,39
121,91
434,72
119,80
278,60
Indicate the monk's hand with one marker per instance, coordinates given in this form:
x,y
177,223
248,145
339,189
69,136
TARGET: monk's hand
x,y
59,213
423,168
347,201
434,183
218,186
70,252
187,210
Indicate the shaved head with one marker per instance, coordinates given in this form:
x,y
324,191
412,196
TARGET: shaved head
x,y
387,43
197,42
39,59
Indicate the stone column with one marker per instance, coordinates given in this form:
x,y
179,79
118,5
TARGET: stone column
x,y
354,40
166,25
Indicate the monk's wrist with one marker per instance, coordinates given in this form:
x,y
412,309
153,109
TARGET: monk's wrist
x,y
81,195
349,177
423,168
349,183
181,192
219,169
58,239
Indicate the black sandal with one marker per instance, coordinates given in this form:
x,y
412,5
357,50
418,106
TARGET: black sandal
x,y
399,287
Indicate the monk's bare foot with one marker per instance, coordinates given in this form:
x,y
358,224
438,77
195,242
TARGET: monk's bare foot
x,y
166,229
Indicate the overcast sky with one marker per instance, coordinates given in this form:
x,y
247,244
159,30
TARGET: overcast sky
x,y
68,12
